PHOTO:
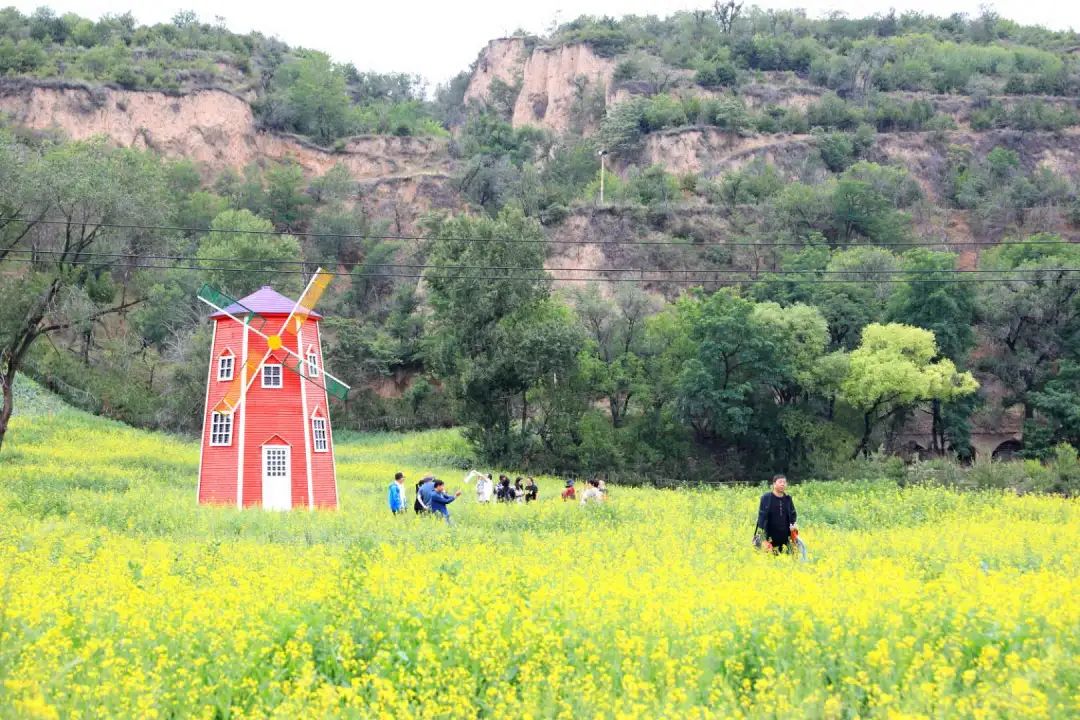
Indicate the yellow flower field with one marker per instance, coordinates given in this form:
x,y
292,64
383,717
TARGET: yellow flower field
x,y
122,598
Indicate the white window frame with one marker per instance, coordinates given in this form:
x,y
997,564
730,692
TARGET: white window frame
x,y
320,434
221,426
275,461
280,376
222,366
312,364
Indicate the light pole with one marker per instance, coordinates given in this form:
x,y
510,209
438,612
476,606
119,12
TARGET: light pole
x,y
603,157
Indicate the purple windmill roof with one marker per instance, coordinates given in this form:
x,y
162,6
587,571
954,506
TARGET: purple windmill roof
x,y
264,301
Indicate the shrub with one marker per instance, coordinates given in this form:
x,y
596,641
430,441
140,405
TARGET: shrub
x,y
628,69
652,186
833,113
1064,471
891,114
125,76
754,183
728,113
875,467
837,150
938,471
1015,85
554,214
1024,115
991,474
663,111
605,36
717,74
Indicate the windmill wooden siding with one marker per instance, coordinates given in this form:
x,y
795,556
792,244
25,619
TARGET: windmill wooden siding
x,y
266,415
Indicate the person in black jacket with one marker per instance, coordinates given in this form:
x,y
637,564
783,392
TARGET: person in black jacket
x,y
776,518
531,491
505,491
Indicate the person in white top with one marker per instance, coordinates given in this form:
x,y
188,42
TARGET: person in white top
x,y
485,487
592,493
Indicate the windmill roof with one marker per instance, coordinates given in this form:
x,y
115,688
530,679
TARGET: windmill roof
x,y
264,301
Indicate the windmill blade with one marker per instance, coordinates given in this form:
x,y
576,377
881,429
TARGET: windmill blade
x,y
219,300
306,303
332,386
230,401
331,380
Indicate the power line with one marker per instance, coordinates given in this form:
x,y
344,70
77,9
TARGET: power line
x,y
525,276
426,266
373,236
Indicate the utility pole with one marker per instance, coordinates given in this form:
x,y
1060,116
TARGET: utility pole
x,y
603,157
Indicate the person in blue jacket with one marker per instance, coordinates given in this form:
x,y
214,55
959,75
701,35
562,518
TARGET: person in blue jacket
x,y
439,499
396,497
424,488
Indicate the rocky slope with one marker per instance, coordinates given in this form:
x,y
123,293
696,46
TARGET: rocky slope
x,y
711,151
212,127
549,79
504,60
406,175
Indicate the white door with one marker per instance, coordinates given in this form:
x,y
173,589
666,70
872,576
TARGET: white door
x,y
277,477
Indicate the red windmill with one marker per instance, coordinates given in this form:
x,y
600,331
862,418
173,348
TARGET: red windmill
x,y
266,432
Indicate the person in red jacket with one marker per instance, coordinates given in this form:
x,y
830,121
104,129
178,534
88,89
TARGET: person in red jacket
x,y
569,493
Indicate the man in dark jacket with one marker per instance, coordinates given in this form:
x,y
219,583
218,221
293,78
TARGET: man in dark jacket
x,y
776,518
424,489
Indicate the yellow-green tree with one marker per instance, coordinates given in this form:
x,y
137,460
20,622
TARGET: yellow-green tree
x,y
893,369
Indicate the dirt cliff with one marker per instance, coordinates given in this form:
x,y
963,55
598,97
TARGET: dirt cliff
x,y
212,127
550,84
503,59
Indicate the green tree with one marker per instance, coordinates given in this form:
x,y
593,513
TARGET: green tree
x,y
861,210
497,169
850,298
308,95
287,205
623,126
750,363
1058,408
92,186
611,362
237,238
1032,318
494,341
733,354
894,368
